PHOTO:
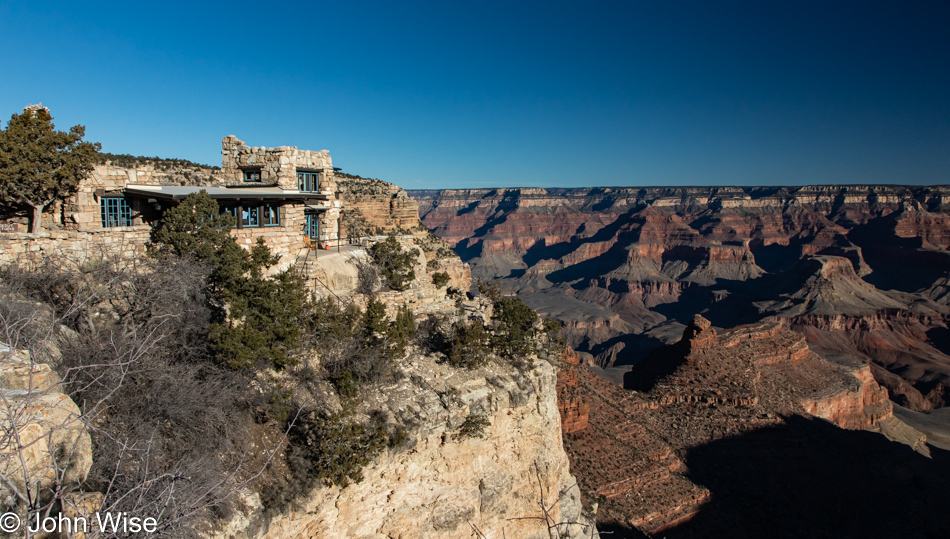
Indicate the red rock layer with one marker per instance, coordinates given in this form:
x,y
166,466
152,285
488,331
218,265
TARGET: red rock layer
x,y
820,255
574,411
717,386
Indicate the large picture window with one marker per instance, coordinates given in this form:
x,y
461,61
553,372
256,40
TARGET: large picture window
x,y
115,212
308,182
253,216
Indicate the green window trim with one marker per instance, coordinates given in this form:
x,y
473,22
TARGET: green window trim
x,y
253,216
270,215
115,212
308,182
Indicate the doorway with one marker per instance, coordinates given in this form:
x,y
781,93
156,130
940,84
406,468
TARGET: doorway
x,y
311,227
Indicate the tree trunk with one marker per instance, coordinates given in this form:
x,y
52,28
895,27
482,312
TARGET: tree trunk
x,y
36,221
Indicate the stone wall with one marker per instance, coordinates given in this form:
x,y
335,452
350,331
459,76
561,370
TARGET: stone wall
x,y
286,240
125,242
82,211
278,166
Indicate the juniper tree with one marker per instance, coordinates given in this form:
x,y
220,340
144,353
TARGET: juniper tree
x,y
395,263
195,230
515,327
259,320
39,165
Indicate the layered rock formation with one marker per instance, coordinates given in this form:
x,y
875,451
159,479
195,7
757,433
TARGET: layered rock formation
x,y
387,208
626,268
444,483
645,454
575,412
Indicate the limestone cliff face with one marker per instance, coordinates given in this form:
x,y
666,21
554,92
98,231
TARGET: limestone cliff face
x,y
335,274
44,441
443,484
861,270
384,206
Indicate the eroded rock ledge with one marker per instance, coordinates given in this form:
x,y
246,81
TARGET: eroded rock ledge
x,y
441,483
756,383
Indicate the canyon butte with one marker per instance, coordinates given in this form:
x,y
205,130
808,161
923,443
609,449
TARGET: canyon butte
x,y
751,361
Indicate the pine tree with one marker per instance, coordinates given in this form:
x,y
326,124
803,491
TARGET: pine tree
x,y
39,165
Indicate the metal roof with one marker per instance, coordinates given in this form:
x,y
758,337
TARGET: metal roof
x,y
178,192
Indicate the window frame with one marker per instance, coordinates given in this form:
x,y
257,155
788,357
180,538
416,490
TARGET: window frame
x,y
115,212
311,223
251,172
272,209
258,211
250,217
308,178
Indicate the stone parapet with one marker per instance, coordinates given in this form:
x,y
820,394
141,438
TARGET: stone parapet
x,y
124,242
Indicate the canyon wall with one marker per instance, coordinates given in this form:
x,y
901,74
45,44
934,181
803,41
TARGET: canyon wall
x,y
691,452
446,482
385,207
625,268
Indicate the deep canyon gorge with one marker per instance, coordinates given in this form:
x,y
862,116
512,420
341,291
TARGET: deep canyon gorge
x,y
728,319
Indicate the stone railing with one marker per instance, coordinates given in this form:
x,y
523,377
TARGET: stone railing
x,y
24,248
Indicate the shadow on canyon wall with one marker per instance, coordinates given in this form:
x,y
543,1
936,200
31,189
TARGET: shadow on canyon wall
x,y
873,260
809,478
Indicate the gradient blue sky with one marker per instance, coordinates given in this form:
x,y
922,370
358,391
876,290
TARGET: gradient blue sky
x,y
477,94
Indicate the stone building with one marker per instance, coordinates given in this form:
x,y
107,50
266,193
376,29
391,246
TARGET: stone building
x,y
284,195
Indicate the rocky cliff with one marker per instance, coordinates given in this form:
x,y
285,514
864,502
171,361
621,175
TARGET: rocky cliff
x,y
447,481
483,454
625,268
45,443
384,207
677,457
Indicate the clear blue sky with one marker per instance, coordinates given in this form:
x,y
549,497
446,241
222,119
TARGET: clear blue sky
x,y
476,94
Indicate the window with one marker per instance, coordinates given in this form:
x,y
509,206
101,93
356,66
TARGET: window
x,y
252,175
249,217
308,182
115,212
270,216
252,216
